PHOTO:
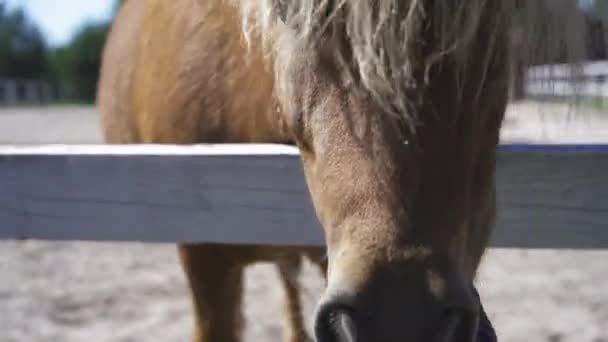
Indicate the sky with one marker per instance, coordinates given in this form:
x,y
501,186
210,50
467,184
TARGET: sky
x,y
59,19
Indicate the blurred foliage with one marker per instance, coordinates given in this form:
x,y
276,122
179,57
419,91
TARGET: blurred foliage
x,y
600,8
23,51
76,65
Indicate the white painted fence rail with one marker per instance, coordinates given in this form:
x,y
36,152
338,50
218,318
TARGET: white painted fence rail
x,y
585,79
550,196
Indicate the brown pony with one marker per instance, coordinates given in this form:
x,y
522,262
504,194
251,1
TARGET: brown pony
x,y
395,106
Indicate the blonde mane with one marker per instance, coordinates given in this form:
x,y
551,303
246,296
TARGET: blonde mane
x,y
386,48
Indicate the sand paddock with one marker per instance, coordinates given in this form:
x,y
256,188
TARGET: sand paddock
x,y
94,292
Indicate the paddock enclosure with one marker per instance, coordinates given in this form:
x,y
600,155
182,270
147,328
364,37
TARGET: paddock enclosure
x,y
106,291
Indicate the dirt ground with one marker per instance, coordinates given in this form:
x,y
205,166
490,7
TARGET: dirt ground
x,y
123,292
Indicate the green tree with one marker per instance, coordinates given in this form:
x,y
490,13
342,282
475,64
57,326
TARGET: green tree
x,y
601,9
77,64
23,51
542,25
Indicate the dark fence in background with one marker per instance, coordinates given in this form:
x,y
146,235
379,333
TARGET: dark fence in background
x,y
30,92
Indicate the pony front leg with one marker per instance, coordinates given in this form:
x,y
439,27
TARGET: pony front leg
x,y
290,267
215,277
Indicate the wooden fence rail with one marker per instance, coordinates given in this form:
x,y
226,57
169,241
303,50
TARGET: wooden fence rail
x,y
550,196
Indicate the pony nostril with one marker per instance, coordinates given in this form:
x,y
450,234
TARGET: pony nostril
x,y
335,323
461,325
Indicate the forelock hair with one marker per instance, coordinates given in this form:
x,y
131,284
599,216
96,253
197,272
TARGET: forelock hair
x,y
392,44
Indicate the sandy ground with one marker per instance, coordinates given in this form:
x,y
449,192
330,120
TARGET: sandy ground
x,y
123,292
53,124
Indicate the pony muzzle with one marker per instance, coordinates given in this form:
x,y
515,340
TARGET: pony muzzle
x,y
394,306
